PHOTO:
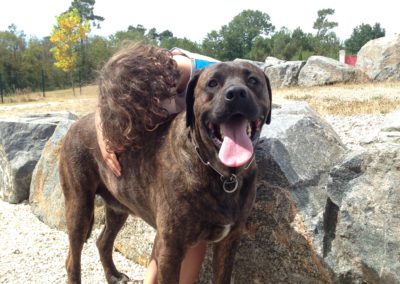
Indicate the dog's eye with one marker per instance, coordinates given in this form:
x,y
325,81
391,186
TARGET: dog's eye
x,y
212,83
253,80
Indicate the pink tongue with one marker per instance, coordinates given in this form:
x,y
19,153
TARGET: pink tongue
x,y
236,149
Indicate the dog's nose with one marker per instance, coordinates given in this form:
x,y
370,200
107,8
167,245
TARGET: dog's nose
x,y
235,93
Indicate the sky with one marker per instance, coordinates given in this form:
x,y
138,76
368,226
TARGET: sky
x,y
194,19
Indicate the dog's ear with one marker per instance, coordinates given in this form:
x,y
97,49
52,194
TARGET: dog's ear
x,y
190,99
268,120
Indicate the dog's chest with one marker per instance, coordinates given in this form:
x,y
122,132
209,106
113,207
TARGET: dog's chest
x,y
220,218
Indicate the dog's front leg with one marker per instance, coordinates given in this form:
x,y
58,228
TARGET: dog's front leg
x,y
224,258
169,254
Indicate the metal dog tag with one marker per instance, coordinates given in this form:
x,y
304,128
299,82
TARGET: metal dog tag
x,y
232,182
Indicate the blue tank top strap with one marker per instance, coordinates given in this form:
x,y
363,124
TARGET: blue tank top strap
x,y
198,61
201,63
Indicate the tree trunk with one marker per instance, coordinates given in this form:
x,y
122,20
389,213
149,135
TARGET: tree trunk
x,y
43,85
1,90
71,73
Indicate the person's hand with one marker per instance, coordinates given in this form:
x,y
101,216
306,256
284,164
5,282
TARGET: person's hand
x,y
109,158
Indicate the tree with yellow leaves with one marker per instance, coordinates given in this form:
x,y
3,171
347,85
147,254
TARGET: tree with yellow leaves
x,y
66,35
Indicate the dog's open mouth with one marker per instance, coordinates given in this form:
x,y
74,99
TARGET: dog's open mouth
x,y
235,139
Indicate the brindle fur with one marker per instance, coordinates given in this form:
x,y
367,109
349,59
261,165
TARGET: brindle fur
x,y
165,183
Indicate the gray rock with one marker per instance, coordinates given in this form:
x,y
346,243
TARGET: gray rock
x,y
380,58
46,197
257,63
305,148
284,74
321,70
349,208
390,131
22,140
363,220
271,61
301,143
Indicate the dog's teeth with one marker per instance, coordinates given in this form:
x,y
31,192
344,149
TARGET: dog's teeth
x,y
248,130
217,141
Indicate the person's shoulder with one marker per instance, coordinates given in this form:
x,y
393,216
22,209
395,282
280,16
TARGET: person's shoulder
x,y
200,60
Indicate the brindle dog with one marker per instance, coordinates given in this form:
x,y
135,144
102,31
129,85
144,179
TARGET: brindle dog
x,y
194,180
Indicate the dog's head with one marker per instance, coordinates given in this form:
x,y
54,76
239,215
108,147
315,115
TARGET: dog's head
x,y
227,105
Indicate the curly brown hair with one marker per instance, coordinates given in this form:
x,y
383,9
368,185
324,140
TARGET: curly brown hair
x,y
133,83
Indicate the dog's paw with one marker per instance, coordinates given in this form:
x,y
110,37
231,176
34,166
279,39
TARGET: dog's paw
x,y
136,281
121,279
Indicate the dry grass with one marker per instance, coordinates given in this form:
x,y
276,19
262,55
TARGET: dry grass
x,y
61,100
346,99
342,99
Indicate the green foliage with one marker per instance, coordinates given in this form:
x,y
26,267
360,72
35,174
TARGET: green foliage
x,y
328,46
22,62
12,44
98,50
184,43
236,39
322,25
86,13
300,45
361,35
85,9
280,44
130,35
283,44
325,43
212,44
261,49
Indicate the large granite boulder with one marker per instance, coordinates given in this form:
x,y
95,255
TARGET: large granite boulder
x,y
380,58
271,61
21,143
301,143
46,197
320,70
362,243
304,148
257,63
284,74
